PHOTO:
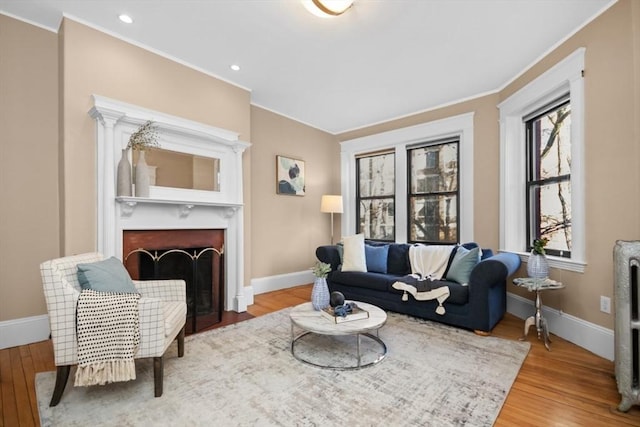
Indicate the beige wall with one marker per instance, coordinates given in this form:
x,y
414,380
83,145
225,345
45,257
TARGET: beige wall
x,y
286,230
612,76
28,164
96,63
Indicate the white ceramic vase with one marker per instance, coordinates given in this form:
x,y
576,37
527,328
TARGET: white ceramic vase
x,y
142,176
123,183
537,266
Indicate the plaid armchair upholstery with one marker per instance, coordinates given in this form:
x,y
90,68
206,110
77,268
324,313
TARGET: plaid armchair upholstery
x,y
162,315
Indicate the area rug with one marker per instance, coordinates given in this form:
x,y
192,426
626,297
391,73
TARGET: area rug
x,y
244,375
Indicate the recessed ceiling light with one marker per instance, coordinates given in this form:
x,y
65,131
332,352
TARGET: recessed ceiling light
x,y
126,19
235,67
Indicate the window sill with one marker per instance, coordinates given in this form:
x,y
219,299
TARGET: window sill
x,y
555,262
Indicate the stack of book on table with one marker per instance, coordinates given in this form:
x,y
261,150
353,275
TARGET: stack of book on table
x,y
356,314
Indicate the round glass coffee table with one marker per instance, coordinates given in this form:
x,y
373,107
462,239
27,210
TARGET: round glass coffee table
x,y
304,317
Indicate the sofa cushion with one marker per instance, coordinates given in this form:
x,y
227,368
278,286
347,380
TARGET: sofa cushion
x,y
464,261
398,259
354,256
375,281
376,257
458,294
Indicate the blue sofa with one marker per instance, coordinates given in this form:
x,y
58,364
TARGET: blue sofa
x,y
477,306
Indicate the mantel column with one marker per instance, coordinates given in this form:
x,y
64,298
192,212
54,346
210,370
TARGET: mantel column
x,y
105,124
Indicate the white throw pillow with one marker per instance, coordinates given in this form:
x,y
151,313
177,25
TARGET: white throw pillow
x,y
354,257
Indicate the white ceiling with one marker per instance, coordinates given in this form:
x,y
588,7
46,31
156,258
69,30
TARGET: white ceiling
x,y
381,60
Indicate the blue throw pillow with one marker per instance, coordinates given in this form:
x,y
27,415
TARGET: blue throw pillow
x,y
376,257
108,275
463,262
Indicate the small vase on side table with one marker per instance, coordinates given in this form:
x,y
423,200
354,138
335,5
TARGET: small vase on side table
x,y
537,266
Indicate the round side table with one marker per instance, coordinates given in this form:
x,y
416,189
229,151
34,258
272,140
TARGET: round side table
x,y
537,286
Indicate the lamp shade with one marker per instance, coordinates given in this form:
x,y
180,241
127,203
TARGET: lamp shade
x,y
331,204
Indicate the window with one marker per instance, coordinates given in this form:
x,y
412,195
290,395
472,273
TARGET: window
x,y
542,193
433,192
432,196
375,196
549,177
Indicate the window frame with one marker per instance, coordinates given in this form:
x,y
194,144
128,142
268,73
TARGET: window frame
x,y
565,77
411,195
359,198
534,182
399,139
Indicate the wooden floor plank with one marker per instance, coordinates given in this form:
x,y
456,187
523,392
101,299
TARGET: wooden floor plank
x,y
29,374
9,407
567,386
20,390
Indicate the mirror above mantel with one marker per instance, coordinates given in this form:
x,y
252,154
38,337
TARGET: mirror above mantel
x,y
182,170
193,161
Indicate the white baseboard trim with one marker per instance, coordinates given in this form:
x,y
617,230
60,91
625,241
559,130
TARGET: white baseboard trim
x,y
587,335
23,331
248,295
281,281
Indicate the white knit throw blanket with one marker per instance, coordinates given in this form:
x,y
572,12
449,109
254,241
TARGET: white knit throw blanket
x,y
429,261
108,337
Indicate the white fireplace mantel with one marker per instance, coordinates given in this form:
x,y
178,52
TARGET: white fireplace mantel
x,y
171,208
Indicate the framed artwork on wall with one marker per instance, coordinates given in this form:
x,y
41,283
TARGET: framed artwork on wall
x,y
289,176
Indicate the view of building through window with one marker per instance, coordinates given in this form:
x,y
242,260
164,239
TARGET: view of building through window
x,y
376,196
433,193
549,178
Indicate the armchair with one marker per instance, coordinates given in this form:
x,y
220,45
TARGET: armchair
x,y
162,315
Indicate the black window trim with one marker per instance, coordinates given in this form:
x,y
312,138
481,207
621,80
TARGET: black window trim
x,y
359,198
410,195
530,181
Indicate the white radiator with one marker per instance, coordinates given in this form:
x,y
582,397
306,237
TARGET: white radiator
x,y
626,257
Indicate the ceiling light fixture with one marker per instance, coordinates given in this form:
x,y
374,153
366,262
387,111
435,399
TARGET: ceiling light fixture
x,y
234,67
125,18
327,8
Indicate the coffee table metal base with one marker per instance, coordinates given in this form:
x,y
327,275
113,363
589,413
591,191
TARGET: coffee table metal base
x,y
359,365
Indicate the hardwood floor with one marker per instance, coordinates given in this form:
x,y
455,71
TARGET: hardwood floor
x,y
567,386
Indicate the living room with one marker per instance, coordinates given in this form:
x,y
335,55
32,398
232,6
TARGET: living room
x,y
48,77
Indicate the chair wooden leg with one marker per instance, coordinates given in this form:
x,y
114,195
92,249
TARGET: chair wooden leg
x,y
482,333
158,374
62,376
181,342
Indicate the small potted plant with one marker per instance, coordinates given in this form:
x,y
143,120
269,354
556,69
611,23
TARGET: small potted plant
x,y
537,265
320,293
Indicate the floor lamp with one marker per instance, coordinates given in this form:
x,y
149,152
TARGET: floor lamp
x,y
331,204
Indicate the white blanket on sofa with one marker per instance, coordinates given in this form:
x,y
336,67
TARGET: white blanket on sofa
x,y
429,261
428,264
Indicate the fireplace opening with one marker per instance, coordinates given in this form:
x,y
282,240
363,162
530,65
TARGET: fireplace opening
x,y
182,254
